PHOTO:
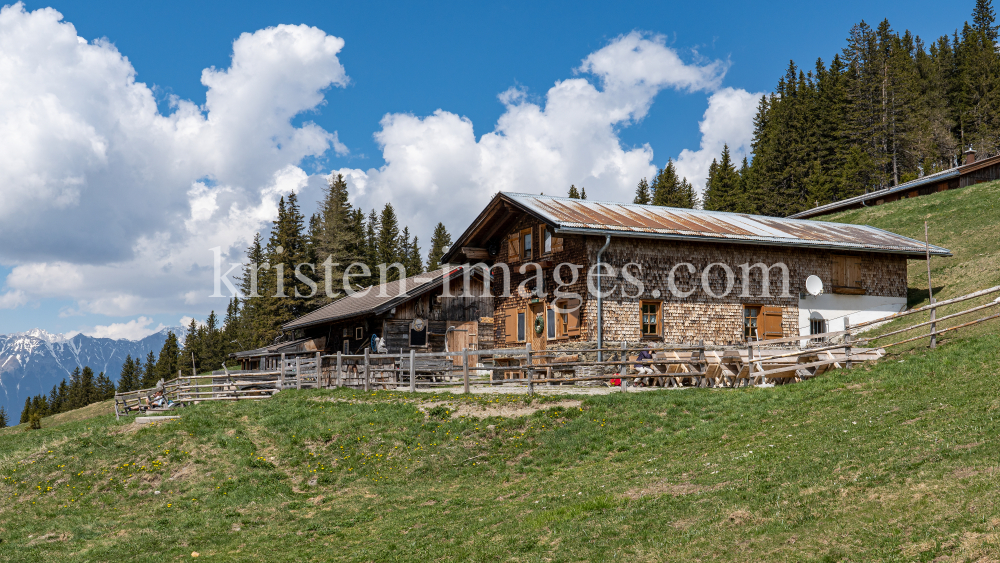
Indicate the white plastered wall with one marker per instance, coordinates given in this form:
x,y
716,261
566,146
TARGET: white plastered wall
x,y
835,308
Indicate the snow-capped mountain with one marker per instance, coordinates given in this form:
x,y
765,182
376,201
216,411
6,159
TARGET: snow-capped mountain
x,y
32,362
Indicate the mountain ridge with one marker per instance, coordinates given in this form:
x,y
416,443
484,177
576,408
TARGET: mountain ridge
x,y
31,362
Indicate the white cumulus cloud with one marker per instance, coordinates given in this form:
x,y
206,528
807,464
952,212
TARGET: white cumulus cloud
x,y
728,120
108,201
136,329
436,169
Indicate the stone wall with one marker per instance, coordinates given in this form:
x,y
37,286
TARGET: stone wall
x,y
698,316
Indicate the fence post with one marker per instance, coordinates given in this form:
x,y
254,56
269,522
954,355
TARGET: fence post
x,y
847,341
367,385
465,368
529,371
281,370
319,370
749,363
340,365
298,373
702,365
930,289
413,371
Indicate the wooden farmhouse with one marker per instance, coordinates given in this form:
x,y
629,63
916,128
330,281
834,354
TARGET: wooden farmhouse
x,y
415,313
680,257
970,173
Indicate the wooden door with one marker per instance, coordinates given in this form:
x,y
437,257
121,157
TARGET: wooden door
x,y
465,335
537,340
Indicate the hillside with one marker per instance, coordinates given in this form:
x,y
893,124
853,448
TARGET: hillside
x,y
965,221
891,462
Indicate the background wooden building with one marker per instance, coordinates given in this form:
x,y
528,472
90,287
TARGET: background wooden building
x,y
415,313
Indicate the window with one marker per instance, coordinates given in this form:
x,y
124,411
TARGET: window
x,y
550,323
548,240
347,332
750,332
762,323
845,275
347,346
817,326
520,326
650,319
359,333
526,244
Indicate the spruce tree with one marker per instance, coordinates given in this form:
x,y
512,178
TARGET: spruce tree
x,y
26,411
127,379
149,372
88,388
105,388
55,402
388,244
983,19
170,360
3,417
642,193
75,397
339,239
573,192
439,240
583,192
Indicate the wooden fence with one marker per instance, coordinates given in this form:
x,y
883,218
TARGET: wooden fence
x,y
760,362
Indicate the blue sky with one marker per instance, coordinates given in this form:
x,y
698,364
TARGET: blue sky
x,y
405,58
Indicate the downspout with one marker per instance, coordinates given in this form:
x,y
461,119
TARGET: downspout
x,y
600,301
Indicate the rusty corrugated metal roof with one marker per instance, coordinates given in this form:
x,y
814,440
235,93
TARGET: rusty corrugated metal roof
x,y
575,216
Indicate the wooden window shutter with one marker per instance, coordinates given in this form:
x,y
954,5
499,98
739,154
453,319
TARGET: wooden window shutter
x,y
573,319
853,272
770,321
514,248
510,326
839,271
557,244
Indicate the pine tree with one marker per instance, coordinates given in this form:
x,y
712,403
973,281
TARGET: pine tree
x,y
642,193
75,397
583,192
666,187
63,396
337,236
26,411
105,388
722,191
149,372
55,402
388,244
127,378
3,417
983,19
88,388
439,240
169,362
573,192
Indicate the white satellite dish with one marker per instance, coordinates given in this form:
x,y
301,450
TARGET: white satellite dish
x,y
814,285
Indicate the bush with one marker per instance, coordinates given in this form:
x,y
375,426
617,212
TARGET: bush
x,y
35,421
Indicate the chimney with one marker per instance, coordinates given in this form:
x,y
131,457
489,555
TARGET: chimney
x,y
970,156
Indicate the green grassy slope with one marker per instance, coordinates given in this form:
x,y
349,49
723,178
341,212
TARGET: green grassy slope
x,y
894,462
967,222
